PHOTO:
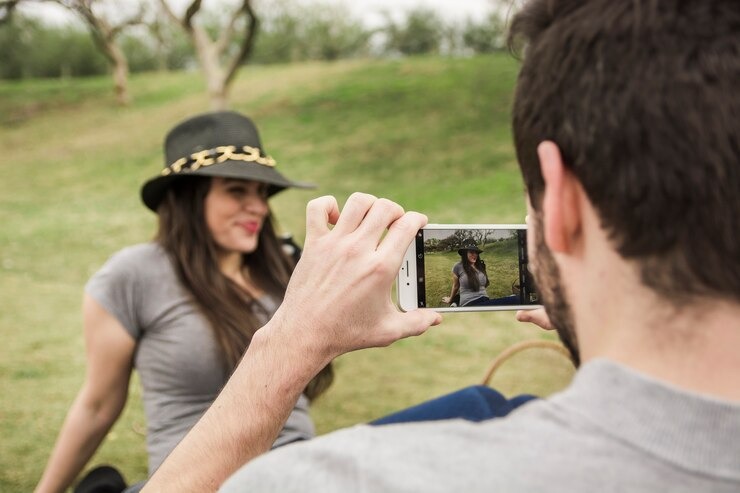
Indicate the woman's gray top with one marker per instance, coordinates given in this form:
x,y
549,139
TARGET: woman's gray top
x,y
466,292
177,356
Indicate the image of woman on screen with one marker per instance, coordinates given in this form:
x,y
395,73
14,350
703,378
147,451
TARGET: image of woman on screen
x,y
470,280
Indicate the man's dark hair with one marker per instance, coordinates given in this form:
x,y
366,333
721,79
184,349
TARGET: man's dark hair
x,y
643,99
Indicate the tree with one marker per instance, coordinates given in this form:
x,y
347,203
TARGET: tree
x,y
330,33
141,53
421,32
6,10
280,38
28,48
16,39
105,34
290,31
171,49
431,245
218,59
487,36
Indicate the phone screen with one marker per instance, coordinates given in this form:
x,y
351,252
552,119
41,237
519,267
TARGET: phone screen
x,y
488,265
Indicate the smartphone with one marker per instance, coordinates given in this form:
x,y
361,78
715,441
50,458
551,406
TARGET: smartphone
x,y
467,267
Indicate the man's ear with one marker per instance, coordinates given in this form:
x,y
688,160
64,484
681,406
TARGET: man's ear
x,y
561,214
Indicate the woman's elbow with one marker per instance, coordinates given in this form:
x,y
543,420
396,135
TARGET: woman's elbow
x,y
102,411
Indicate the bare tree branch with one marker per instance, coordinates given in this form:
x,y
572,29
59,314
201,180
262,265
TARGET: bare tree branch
x,y
227,34
102,31
211,52
247,44
192,10
135,20
169,12
99,29
6,10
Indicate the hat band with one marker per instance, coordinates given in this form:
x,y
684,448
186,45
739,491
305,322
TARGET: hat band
x,y
218,155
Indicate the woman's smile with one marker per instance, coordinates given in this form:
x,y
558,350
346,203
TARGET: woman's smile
x,y
251,226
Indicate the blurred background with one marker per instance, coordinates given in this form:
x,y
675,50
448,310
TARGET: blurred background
x,y
402,99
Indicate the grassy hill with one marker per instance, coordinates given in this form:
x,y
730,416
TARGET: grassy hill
x,y
430,133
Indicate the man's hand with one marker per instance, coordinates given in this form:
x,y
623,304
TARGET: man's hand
x,y
338,299
538,317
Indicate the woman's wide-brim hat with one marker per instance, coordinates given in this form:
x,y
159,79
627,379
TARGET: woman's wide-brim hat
x,y
469,247
223,143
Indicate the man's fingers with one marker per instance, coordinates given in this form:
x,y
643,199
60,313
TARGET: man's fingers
x,y
321,212
537,316
353,212
416,322
400,235
403,325
382,213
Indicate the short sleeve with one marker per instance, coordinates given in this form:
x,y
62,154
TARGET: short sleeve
x,y
114,287
457,269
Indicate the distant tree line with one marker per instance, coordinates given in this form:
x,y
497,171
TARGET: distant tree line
x,y
463,237
287,33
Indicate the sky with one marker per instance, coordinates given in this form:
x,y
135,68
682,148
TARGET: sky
x,y
441,234
370,11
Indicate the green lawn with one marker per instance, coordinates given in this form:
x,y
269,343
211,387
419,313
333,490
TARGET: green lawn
x,y
417,131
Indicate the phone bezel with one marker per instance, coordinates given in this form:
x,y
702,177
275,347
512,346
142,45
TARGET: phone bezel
x,y
406,285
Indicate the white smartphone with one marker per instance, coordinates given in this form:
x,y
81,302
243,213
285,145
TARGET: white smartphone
x,y
467,267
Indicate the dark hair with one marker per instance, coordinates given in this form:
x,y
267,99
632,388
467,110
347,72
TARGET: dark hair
x,y
473,281
642,99
184,235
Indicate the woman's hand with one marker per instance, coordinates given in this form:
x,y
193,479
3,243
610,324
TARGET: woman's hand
x,y
446,300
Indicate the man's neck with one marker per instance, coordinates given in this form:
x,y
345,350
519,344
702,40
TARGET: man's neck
x,y
695,346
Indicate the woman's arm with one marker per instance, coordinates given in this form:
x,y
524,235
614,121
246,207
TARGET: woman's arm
x,y
455,289
110,351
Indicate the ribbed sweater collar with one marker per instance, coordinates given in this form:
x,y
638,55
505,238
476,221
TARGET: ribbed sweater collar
x,y
693,431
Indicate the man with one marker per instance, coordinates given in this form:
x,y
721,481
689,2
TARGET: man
x,y
626,124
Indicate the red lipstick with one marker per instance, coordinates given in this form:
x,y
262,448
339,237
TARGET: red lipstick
x,y
250,226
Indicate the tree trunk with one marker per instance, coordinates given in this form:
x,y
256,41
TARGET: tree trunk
x,y
120,77
211,67
104,35
218,99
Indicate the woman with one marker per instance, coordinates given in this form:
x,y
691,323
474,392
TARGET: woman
x,y
469,278
183,308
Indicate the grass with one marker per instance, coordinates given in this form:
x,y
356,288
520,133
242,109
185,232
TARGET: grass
x,y
431,133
